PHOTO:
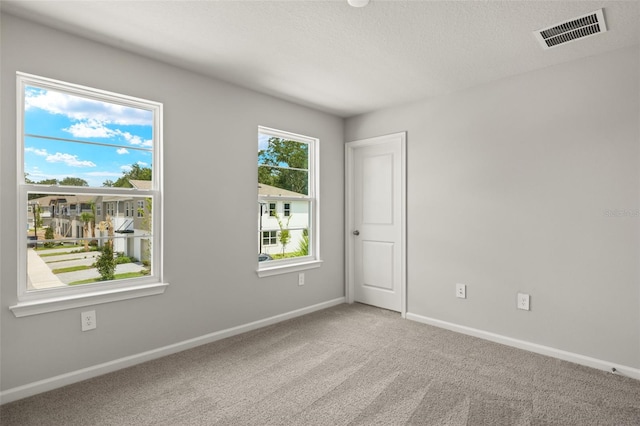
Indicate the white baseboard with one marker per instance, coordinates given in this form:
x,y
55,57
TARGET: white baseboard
x,y
531,347
45,385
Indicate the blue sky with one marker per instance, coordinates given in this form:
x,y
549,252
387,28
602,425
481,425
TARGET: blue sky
x,y
83,122
263,141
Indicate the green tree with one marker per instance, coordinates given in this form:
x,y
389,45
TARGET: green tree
x,y
87,218
284,236
49,182
73,181
284,164
37,220
93,219
108,183
106,263
136,173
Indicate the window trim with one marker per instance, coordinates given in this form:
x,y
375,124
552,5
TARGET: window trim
x,y
59,298
283,266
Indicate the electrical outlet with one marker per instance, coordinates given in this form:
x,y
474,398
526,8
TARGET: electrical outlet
x,y
88,320
461,291
301,278
523,301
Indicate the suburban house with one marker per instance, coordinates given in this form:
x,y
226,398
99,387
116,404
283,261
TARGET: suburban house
x,y
128,217
277,204
466,174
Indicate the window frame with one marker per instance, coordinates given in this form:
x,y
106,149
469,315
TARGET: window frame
x,y
313,260
33,302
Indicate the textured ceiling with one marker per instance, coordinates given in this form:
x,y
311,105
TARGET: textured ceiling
x,y
339,59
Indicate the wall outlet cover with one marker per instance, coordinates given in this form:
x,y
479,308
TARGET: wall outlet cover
x,y
523,301
461,291
88,320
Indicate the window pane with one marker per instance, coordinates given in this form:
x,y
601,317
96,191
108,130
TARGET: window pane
x,y
283,164
79,245
72,140
284,237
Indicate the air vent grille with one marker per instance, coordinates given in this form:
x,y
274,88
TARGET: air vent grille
x,y
564,32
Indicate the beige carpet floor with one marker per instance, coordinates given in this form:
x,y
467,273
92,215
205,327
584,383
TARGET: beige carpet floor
x,y
348,365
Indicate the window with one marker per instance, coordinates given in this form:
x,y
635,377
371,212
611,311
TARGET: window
x,y
78,150
269,238
287,188
140,210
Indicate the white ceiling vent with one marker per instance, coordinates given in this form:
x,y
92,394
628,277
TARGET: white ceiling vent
x,y
575,29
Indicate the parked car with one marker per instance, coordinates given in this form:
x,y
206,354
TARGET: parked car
x,y
263,256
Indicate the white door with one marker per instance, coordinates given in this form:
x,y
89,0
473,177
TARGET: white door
x,y
376,221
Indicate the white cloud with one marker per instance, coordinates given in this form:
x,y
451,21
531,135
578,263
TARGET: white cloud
x,y
77,108
90,129
122,151
135,139
125,168
40,152
93,128
69,160
142,164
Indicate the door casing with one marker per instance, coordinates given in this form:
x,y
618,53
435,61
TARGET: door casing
x,y
350,147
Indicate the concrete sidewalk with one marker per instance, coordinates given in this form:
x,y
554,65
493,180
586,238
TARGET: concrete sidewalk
x,y
40,275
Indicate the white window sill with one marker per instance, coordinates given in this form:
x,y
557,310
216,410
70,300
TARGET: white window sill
x,y
287,268
41,306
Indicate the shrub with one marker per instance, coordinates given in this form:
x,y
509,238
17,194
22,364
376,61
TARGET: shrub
x,y
106,264
122,258
303,245
48,235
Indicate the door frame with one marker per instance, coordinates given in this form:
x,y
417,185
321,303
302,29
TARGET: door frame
x,y
400,137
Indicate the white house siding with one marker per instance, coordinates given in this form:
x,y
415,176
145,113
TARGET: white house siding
x,y
298,221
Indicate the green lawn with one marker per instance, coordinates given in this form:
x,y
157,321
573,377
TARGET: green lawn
x,y
72,269
286,255
65,260
60,253
117,277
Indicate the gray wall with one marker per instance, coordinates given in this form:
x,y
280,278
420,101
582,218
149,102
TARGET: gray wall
x,y
508,188
210,144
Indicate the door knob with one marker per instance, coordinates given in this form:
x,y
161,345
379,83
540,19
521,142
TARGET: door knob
x,y
356,232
